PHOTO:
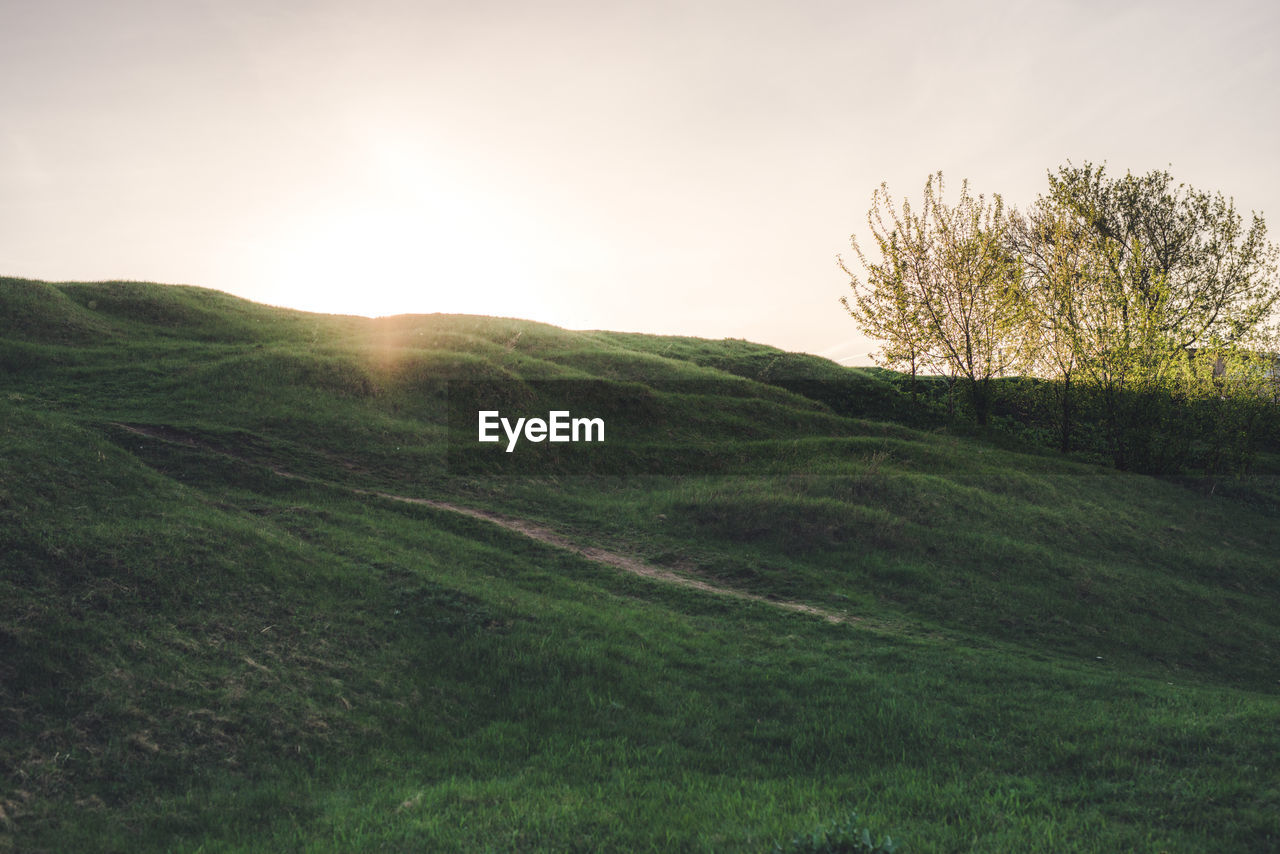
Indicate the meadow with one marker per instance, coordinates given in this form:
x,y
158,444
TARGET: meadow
x,y
258,593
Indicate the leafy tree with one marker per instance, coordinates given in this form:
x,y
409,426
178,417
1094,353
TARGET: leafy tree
x,y
1055,274
1188,270
886,304
1144,302
943,294
1126,279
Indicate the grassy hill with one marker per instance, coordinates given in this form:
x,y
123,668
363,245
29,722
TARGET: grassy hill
x,y
257,592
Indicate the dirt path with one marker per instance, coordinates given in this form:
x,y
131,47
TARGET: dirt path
x,y
532,530
616,560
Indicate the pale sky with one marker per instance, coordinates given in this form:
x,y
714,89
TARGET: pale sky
x,y
678,168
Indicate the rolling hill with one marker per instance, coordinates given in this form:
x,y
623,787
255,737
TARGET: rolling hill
x,y
260,589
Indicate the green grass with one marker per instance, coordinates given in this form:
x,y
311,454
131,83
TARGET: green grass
x,y
197,654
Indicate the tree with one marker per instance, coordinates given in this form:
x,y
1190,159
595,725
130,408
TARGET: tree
x,y
944,291
886,306
1055,275
1188,269
1127,279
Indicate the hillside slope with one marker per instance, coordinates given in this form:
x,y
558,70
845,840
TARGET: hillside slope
x,y
217,635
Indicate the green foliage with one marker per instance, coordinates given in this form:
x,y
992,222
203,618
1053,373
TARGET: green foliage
x,y
1195,423
1178,260
842,837
943,294
1139,288
1146,305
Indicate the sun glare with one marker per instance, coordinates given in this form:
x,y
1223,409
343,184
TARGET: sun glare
x,y
377,262
407,242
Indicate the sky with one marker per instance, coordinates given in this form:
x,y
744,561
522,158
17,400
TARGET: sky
x,y
688,168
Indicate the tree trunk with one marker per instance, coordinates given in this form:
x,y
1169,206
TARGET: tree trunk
x,y
1065,423
980,396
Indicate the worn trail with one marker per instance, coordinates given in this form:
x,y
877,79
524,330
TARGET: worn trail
x,y
532,530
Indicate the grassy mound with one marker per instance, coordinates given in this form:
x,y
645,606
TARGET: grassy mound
x,y
216,635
